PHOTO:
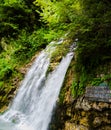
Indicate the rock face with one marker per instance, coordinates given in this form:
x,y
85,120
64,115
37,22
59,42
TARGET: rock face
x,y
82,114
92,115
98,93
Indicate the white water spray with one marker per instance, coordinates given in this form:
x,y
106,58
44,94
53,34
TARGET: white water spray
x,y
32,107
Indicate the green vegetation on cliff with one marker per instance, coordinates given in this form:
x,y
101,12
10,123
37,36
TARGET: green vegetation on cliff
x,y
89,21
21,36
27,26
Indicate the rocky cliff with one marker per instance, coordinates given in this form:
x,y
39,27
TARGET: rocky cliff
x,y
79,113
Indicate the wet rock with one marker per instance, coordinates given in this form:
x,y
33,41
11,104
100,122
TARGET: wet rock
x,y
72,126
82,103
98,93
83,114
97,121
95,106
84,121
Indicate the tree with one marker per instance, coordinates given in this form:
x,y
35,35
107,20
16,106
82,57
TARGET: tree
x,y
17,15
94,46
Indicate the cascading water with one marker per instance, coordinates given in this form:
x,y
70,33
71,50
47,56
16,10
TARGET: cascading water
x,y
32,107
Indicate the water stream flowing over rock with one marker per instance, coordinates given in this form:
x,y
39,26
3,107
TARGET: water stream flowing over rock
x,y
33,105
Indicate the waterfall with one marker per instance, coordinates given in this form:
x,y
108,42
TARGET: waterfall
x,y
33,105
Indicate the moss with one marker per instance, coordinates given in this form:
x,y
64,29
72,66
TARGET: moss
x,y
66,94
61,50
57,55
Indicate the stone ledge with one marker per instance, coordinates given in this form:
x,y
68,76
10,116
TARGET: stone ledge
x,y
98,93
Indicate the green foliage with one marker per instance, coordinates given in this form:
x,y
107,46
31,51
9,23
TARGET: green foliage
x,y
61,50
88,25
6,69
79,84
12,23
21,35
62,15
94,46
74,89
1,84
107,78
96,81
27,44
5,73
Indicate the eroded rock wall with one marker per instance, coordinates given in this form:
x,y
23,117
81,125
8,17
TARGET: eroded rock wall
x,y
82,114
79,113
88,115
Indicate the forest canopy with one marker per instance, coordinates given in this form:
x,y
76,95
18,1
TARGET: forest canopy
x,y
88,20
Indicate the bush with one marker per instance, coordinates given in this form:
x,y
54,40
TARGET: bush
x,y
6,69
